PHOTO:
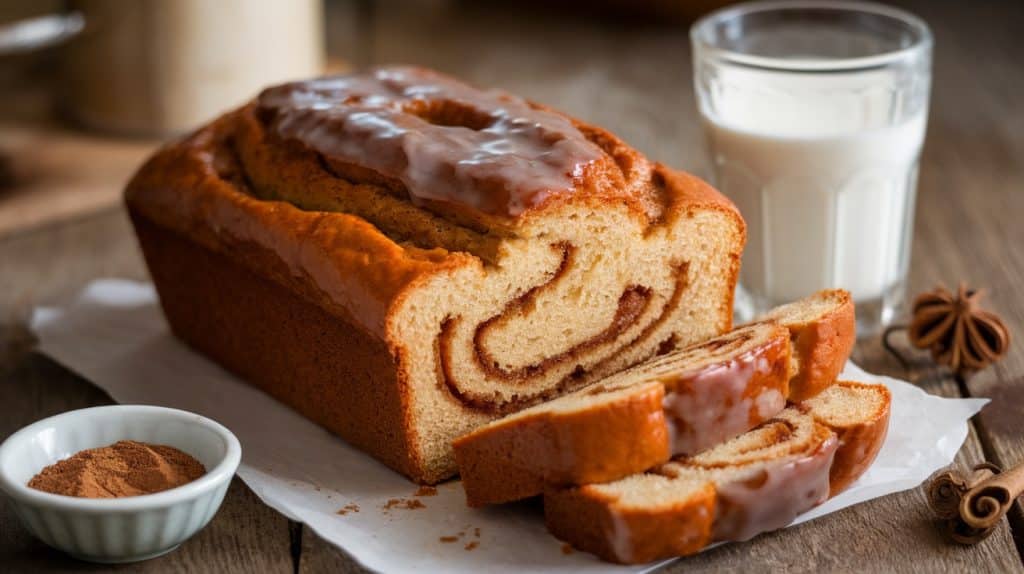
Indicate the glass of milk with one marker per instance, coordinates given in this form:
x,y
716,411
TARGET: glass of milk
x,y
815,116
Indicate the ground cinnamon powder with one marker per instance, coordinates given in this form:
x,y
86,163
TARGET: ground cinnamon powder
x,y
125,468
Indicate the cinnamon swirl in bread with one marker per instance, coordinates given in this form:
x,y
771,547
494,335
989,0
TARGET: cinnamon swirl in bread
x,y
402,257
754,483
677,404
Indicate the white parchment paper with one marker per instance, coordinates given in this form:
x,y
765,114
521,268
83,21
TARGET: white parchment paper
x,y
115,335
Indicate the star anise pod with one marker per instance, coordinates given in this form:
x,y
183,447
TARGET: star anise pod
x,y
957,331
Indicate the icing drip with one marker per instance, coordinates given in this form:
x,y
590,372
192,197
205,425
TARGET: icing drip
x,y
712,406
444,140
774,495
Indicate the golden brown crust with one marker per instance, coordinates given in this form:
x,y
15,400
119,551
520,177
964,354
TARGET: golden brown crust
x,y
335,260
563,449
822,348
859,443
631,536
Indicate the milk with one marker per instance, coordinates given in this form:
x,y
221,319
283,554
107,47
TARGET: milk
x,y
823,176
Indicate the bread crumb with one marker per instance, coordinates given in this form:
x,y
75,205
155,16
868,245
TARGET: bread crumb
x,y
567,548
426,491
348,508
462,534
403,503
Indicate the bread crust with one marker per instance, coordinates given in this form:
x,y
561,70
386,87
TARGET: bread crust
x,y
295,351
631,535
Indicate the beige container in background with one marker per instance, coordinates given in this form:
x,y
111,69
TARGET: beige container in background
x,y
155,67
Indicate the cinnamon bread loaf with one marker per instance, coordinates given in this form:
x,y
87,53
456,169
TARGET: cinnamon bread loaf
x,y
677,404
402,257
757,482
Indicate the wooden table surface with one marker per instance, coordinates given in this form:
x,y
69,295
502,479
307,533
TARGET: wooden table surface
x,y
635,80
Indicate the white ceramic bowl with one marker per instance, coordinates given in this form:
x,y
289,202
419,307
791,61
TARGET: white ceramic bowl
x,y
118,529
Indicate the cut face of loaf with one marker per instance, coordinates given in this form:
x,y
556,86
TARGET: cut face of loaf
x,y
859,415
403,257
676,404
757,482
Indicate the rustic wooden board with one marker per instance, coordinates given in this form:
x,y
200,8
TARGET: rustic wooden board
x,y
971,202
43,265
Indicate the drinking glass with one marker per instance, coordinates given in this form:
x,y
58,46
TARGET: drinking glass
x,y
815,114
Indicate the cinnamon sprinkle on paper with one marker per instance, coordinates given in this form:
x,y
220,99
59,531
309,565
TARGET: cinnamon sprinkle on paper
x,y
352,507
426,491
567,548
472,545
449,539
403,503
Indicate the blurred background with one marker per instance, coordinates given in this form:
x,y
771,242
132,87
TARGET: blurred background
x,y
92,89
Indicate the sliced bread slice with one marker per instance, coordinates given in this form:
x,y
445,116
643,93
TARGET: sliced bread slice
x,y
754,483
823,329
557,444
712,391
678,403
859,415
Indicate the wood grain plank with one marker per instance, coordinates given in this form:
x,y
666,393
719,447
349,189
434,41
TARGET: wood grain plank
x,y
57,174
45,265
970,200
